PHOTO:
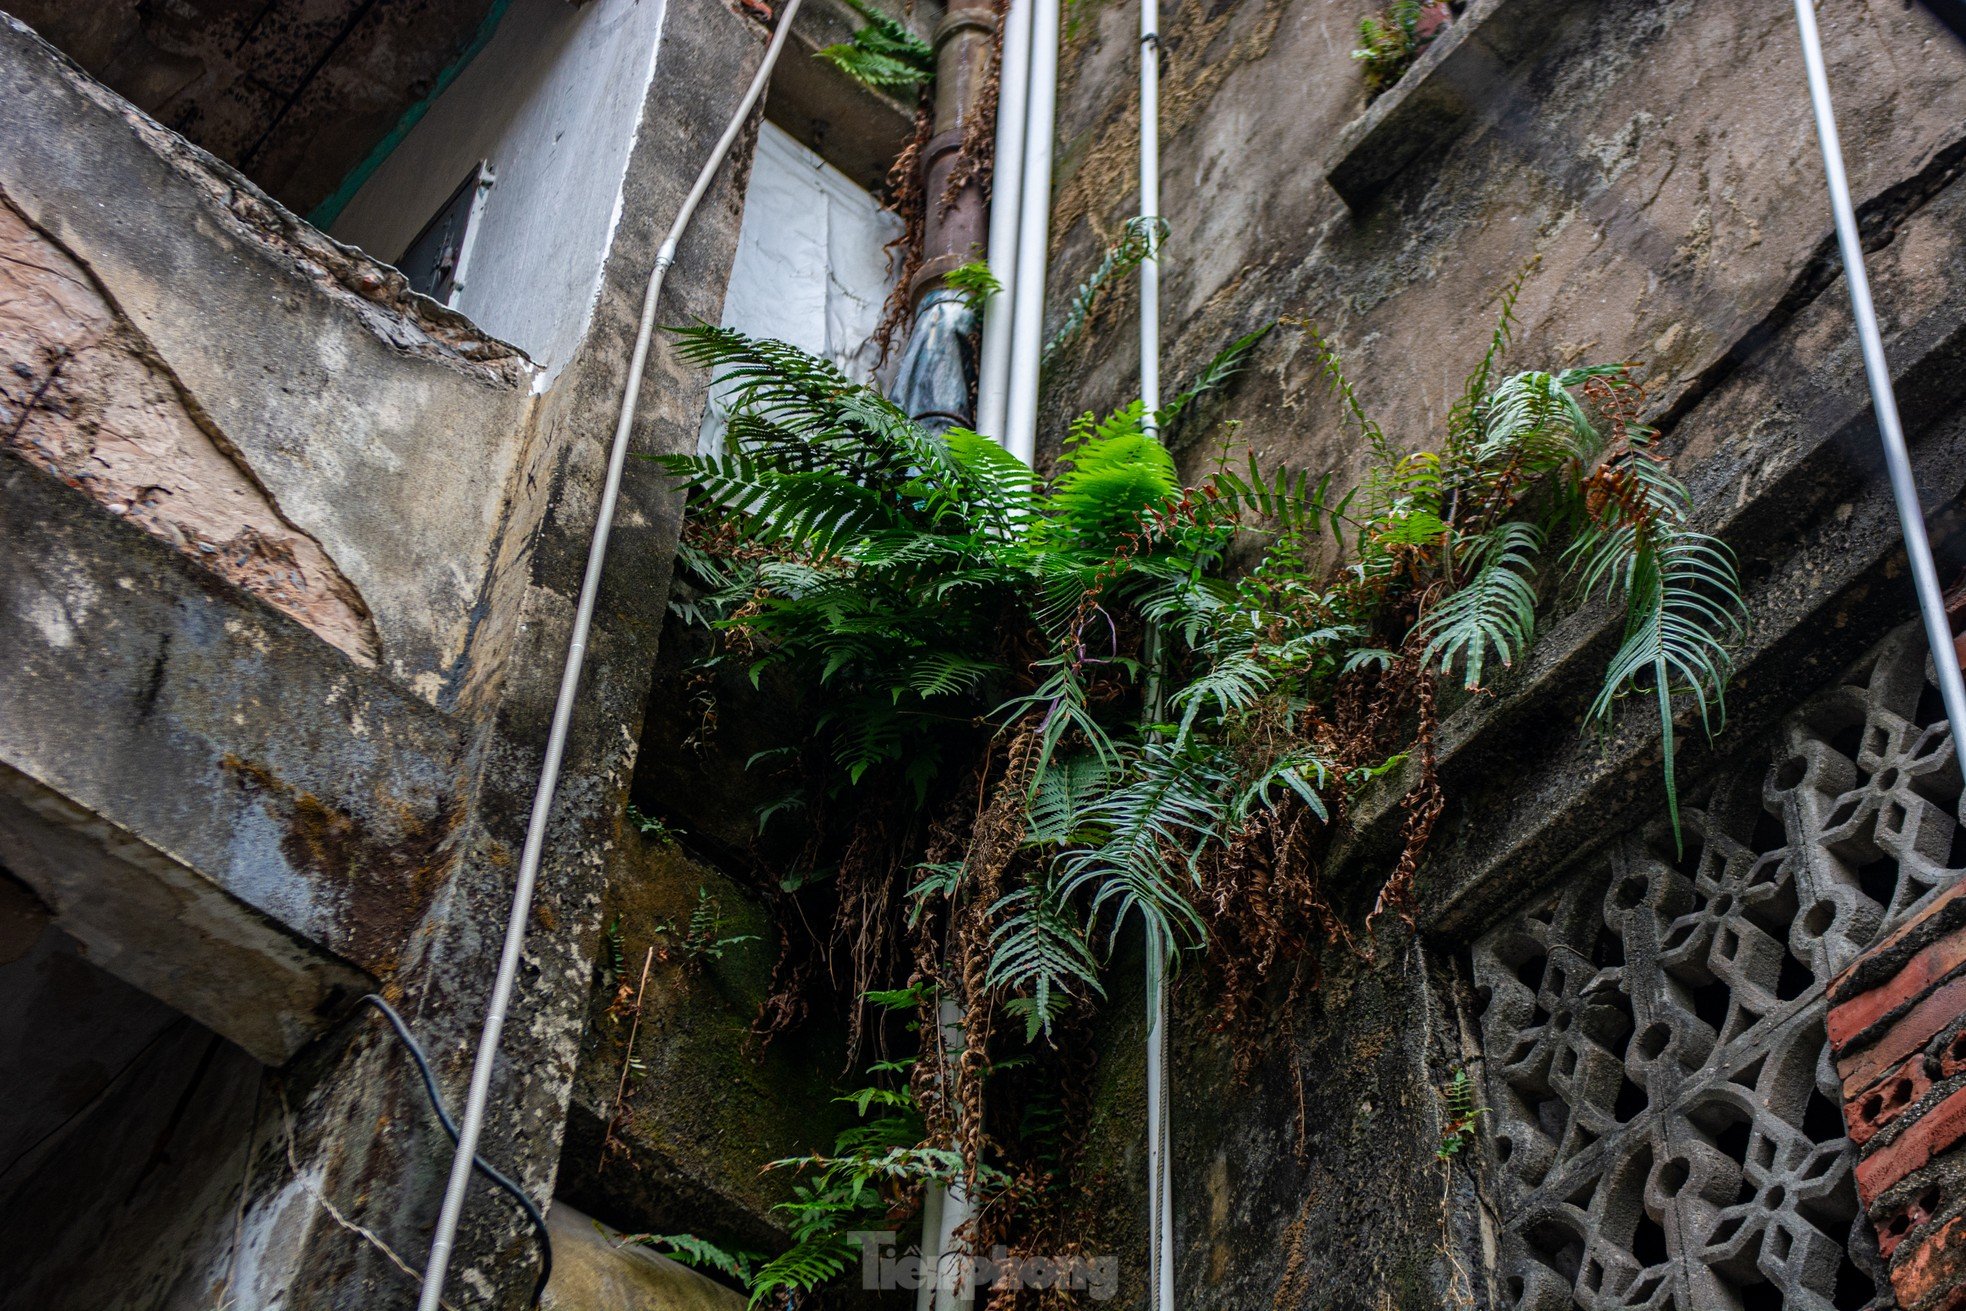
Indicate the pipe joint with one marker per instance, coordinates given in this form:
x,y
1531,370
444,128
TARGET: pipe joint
x,y
958,21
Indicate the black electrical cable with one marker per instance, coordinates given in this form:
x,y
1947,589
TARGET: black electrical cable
x,y
483,1167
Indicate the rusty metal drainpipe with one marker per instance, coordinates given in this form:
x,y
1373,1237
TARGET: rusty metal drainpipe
x,y
935,386
937,375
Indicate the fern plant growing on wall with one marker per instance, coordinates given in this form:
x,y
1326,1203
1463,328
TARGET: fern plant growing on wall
x,y
1079,713
883,55
1390,40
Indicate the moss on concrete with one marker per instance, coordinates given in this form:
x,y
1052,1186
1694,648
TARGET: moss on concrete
x,y
708,1109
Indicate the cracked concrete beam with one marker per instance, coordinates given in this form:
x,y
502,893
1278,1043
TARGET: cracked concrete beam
x,y
381,425
224,810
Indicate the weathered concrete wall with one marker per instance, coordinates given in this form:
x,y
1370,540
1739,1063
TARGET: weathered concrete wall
x,y
293,94
83,402
382,1174
552,104
1658,161
224,811
677,1148
331,814
858,129
380,433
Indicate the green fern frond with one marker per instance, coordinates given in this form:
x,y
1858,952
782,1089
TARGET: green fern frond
x,y
1221,368
807,1264
1172,799
1111,480
1063,791
1465,417
698,1253
1139,241
1300,773
1492,614
884,55
1683,612
975,281
1038,950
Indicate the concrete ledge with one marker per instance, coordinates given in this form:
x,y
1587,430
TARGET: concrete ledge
x,y
223,809
164,928
855,128
1456,80
379,425
594,1271
1806,506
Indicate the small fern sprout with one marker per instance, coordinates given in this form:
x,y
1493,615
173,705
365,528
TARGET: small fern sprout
x,y
883,55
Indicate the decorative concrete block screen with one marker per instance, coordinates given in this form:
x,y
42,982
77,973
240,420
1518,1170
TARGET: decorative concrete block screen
x,y
1666,1116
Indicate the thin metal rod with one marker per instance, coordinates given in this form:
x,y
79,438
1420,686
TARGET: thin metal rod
x,y
1020,435
437,1268
1897,457
1006,199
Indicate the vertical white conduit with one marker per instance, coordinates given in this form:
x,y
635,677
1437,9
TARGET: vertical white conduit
x,y
955,1288
1158,1125
1150,210
1890,430
1160,1202
1006,198
1020,436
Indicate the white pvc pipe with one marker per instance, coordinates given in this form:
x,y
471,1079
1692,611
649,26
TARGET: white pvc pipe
x,y
932,1201
437,1268
1150,210
1160,1199
954,1288
1160,1202
1006,192
1020,435
1897,457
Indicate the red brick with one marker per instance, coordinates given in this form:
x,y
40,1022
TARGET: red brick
x,y
1953,1058
1920,975
1933,1132
1930,1270
1891,1229
1840,983
1876,1106
1906,1035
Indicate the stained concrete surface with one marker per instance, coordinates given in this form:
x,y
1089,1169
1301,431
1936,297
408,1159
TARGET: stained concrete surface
x,y
383,429
594,1271
1659,164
